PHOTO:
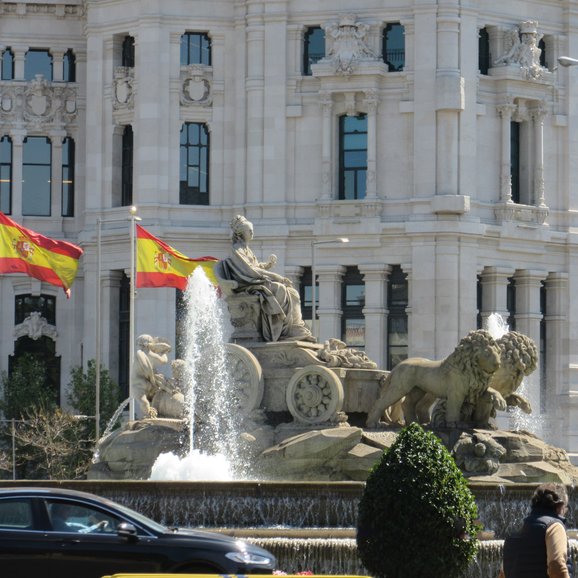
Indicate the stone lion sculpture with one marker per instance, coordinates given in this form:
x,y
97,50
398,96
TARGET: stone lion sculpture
x,y
460,379
518,359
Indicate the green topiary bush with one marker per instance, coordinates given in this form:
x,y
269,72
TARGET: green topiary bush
x,y
417,516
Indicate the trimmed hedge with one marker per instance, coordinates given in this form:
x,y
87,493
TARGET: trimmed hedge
x,y
417,516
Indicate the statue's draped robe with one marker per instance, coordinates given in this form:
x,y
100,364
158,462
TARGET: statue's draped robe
x,y
280,305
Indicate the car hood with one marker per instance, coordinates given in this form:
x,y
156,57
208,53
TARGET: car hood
x,y
214,538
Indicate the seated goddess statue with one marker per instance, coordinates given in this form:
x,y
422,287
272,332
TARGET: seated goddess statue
x,y
280,305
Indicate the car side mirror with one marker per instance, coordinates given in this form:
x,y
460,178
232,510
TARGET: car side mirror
x,y
127,530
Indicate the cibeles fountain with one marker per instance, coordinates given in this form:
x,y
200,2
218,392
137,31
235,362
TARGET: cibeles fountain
x,y
256,396
263,430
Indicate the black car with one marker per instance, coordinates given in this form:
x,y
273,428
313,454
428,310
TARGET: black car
x,y
70,534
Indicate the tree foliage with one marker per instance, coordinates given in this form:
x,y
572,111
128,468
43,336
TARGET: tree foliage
x,y
26,387
82,393
417,516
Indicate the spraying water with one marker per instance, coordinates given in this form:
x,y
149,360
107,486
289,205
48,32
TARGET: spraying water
x,y
213,447
497,327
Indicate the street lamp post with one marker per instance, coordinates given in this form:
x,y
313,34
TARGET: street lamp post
x,y
314,280
99,221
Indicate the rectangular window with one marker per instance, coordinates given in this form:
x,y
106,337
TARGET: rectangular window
x,y
352,304
484,51
306,295
27,304
68,177
38,61
194,164
69,67
124,335
7,64
195,48
393,46
397,327
313,47
515,160
127,56
6,175
127,166
36,176
352,156
543,349
511,304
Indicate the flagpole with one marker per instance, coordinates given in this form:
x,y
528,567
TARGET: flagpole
x,y
99,222
133,219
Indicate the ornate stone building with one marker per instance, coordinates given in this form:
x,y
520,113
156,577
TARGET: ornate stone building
x,y
438,136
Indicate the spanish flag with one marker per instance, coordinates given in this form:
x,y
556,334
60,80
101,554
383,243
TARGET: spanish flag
x,y
159,265
24,251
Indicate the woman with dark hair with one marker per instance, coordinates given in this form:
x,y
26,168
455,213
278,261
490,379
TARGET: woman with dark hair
x,y
540,549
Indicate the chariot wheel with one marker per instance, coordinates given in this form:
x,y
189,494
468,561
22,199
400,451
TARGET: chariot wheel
x,y
246,376
314,395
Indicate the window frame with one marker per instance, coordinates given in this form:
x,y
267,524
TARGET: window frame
x,y
67,186
385,52
311,57
24,177
30,75
5,64
397,312
358,171
205,48
6,184
192,195
127,166
350,312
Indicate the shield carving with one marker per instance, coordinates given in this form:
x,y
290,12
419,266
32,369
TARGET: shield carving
x,y
38,104
122,91
6,104
196,88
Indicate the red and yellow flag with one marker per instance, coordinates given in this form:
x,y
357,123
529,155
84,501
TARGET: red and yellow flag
x,y
159,265
24,251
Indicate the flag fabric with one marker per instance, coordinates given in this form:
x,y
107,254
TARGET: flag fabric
x,y
49,260
159,265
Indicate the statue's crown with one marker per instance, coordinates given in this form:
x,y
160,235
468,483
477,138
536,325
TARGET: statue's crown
x,y
238,220
529,27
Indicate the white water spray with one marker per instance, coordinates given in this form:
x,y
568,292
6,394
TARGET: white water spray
x,y
212,413
497,327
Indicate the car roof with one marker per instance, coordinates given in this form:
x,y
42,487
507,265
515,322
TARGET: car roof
x,y
50,492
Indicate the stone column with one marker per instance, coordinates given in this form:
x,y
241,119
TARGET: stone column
x,y
506,111
495,292
326,102
17,137
219,167
19,51
57,68
446,284
110,291
537,114
528,318
56,139
371,103
330,279
375,311
254,84
556,358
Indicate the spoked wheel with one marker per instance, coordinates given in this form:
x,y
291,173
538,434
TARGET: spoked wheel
x,y
247,377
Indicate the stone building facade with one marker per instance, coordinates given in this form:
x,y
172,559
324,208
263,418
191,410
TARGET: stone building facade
x,y
437,136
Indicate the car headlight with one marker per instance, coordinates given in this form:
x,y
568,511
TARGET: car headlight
x,y
244,557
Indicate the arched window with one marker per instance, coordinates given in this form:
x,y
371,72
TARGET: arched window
x,y
69,66
484,58
128,56
195,48
313,47
38,61
393,46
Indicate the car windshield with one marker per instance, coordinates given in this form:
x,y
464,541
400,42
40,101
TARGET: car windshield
x,y
155,526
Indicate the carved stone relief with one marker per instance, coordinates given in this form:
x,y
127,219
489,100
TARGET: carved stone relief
x,y
196,81
39,103
349,44
35,326
123,88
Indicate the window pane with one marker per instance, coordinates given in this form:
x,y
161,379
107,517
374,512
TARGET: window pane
x,y
36,190
355,332
68,177
36,150
313,48
361,184
7,65
355,295
127,58
394,46
352,159
193,177
355,141
69,67
38,62
16,514
355,123
195,48
194,164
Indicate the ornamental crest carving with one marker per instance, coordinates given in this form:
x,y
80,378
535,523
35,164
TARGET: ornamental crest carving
x,y
123,88
521,49
349,44
35,326
196,83
38,100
